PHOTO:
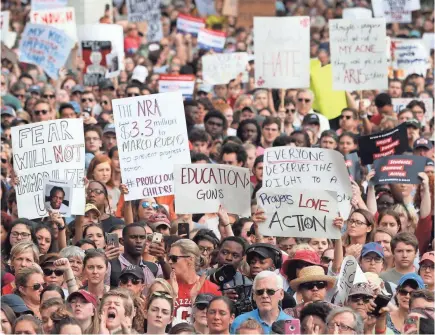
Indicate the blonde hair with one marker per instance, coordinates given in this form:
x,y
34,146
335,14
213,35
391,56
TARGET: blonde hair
x,y
126,297
166,288
411,217
24,246
23,275
190,248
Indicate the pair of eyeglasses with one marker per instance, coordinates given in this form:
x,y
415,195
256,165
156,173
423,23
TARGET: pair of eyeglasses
x,y
425,267
104,102
270,292
87,99
43,112
357,223
341,327
371,259
204,249
37,286
97,191
356,298
147,204
48,96
302,100
404,292
17,234
162,294
309,286
292,110
49,272
129,95
135,281
174,258
347,117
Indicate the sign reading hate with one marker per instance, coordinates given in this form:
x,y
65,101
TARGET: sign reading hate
x,y
48,150
358,54
294,212
219,69
202,188
308,168
152,137
282,52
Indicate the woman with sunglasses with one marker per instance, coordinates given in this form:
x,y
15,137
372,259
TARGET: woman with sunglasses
x,y
199,315
48,93
407,284
220,315
30,282
159,312
184,259
57,271
95,266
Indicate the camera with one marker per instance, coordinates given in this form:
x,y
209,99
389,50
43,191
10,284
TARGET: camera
x,y
223,274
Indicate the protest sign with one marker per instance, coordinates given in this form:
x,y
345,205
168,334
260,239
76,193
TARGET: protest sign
x,y
410,56
350,274
428,40
282,52
294,212
357,13
328,102
211,40
401,103
205,7
184,83
308,168
248,9
353,166
358,54
392,11
219,69
146,11
202,188
189,24
51,149
48,4
45,46
4,24
152,137
58,196
92,11
386,143
105,61
60,18
231,7
399,169
8,54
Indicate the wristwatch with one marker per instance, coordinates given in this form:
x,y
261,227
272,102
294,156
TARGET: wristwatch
x,y
61,228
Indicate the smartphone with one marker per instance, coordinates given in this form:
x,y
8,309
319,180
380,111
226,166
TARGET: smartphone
x,y
411,323
85,115
183,229
380,301
292,326
112,238
157,238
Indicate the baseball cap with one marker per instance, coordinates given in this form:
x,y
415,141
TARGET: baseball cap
x,y
109,128
422,143
205,88
34,89
75,106
413,123
250,108
157,220
16,303
203,298
265,250
134,270
311,118
140,73
412,277
308,256
91,207
361,288
428,256
106,84
7,110
78,88
89,297
372,247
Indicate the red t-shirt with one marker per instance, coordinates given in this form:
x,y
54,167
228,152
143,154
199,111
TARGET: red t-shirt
x,y
183,303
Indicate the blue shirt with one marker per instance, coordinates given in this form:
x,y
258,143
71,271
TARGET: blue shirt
x,y
256,316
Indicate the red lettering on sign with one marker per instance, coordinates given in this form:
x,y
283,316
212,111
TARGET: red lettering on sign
x,y
317,204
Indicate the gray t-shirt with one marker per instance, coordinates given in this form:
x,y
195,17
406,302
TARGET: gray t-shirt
x,y
391,275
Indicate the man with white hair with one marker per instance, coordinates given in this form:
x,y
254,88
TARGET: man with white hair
x,y
344,320
267,293
304,106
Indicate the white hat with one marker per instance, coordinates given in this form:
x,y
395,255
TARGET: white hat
x,y
140,73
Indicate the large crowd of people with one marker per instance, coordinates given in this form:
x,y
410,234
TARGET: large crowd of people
x,y
123,267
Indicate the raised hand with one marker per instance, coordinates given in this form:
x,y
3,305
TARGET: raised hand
x,y
62,264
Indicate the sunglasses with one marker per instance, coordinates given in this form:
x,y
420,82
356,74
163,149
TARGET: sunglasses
x,y
302,100
309,286
4,160
147,204
104,102
43,112
162,294
49,272
268,291
37,286
87,99
404,292
325,259
355,298
174,258
49,96
290,110
133,95
201,306
347,117
19,96
134,280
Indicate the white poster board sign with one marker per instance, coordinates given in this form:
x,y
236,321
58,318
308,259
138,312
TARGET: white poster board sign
x,y
295,212
58,196
392,11
4,24
350,274
358,55
219,69
91,11
401,103
202,188
60,18
308,168
51,149
282,52
152,137
428,40
357,13
410,56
